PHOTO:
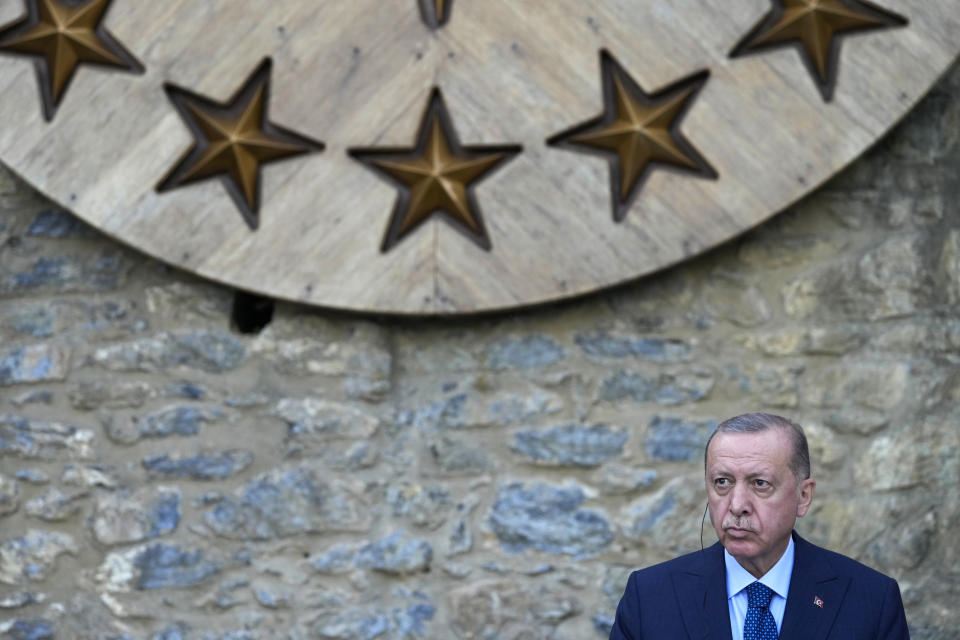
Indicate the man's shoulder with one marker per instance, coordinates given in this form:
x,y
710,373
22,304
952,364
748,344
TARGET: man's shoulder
x,y
696,562
841,563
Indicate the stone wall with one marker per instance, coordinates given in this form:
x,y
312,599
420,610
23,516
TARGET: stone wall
x,y
164,476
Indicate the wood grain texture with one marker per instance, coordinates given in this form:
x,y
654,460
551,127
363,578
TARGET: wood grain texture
x,y
358,73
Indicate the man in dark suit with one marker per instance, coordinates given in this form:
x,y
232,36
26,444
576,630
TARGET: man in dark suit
x,y
761,581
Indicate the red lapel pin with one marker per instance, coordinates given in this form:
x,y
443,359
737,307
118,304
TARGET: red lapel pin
x,y
817,601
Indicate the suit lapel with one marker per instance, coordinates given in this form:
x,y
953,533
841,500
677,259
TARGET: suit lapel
x,y
816,592
702,595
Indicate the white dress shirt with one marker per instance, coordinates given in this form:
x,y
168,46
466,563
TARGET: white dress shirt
x,y
738,578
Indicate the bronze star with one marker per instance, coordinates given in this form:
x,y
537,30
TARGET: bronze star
x,y
435,176
638,131
815,27
435,12
61,36
233,140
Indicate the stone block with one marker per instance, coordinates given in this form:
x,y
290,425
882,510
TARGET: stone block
x,y
616,479
109,394
397,554
28,629
136,516
204,350
676,439
57,223
175,420
459,457
42,440
33,556
9,495
573,445
155,566
314,421
202,466
34,363
603,345
665,388
549,519
53,505
286,502
668,519
422,506
524,353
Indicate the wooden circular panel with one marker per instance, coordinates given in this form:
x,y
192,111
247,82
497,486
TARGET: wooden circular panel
x,y
431,157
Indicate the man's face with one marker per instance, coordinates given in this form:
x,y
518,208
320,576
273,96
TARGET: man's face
x,y
754,497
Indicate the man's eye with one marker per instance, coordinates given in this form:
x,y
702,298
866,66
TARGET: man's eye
x,y
721,482
761,484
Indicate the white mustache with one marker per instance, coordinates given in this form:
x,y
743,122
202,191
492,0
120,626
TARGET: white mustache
x,y
731,522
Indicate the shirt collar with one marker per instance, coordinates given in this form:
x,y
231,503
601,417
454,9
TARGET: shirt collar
x,y
778,578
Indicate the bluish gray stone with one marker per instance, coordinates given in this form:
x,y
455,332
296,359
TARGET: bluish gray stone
x,y
287,502
54,505
461,539
37,322
410,620
56,223
269,599
529,352
423,506
9,495
186,390
619,479
603,622
181,420
571,445
339,559
206,349
125,517
34,363
20,599
676,439
177,631
40,440
103,271
32,476
203,466
447,413
31,630
355,626
602,344
665,518
459,457
397,554
549,519
33,556
666,389
163,566
402,623
37,396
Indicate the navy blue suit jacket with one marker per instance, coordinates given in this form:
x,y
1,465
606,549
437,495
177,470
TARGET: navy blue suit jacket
x,y
686,599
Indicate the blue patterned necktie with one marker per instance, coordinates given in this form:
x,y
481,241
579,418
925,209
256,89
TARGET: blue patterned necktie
x,y
759,623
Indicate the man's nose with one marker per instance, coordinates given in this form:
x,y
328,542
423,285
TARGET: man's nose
x,y
739,500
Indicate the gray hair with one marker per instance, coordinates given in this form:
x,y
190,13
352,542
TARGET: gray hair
x,y
754,422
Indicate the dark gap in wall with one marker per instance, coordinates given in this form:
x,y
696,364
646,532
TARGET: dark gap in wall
x,y
251,313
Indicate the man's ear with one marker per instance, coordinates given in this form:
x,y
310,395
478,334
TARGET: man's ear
x,y
806,496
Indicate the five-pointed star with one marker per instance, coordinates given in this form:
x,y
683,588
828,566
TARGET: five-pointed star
x,y
232,141
435,12
638,131
815,27
435,176
61,36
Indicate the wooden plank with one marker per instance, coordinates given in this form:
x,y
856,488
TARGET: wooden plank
x,y
358,74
